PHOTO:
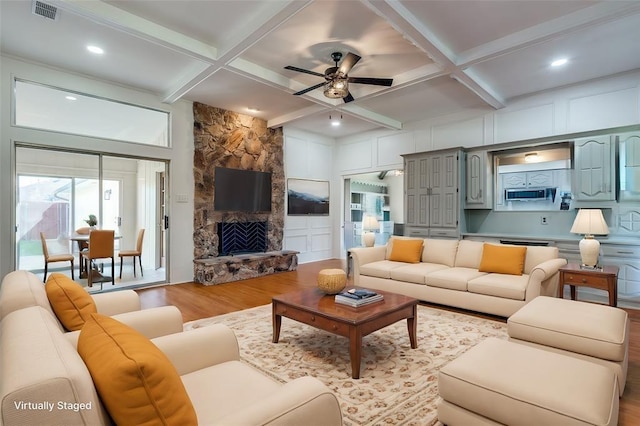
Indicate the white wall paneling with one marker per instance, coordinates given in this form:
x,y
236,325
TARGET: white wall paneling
x,y
391,148
527,123
296,242
355,156
311,156
466,133
603,110
296,148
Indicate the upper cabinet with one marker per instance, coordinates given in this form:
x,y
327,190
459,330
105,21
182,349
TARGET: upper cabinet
x,y
594,177
629,153
479,180
528,180
432,191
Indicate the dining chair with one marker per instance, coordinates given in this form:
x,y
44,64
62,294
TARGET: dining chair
x,y
133,253
100,247
51,258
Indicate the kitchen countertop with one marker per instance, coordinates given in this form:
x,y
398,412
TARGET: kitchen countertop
x,y
570,238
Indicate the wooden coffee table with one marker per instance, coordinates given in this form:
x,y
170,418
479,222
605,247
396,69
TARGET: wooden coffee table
x,y
314,308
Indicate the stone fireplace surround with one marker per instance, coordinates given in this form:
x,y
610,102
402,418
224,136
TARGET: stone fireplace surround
x,y
228,139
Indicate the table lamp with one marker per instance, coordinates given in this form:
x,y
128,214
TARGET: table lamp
x,y
369,224
589,222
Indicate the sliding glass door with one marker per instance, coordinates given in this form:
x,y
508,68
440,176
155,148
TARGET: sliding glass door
x,y
58,191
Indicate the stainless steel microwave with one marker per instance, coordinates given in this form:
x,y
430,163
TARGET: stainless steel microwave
x,y
530,194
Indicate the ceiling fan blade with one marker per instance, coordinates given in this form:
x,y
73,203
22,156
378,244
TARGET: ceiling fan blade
x,y
292,68
348,98
348,62
371,80
308,89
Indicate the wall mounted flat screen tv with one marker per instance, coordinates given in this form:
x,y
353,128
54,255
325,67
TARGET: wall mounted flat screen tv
x,y
241,190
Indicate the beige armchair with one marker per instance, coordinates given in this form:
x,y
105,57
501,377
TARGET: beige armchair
x,y
42,361
23,289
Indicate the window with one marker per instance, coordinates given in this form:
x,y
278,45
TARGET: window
x,y
48,108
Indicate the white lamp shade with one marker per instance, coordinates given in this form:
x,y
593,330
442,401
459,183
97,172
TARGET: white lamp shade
x,y
370,223
590,222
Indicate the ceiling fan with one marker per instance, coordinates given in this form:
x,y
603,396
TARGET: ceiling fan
x,y
336,84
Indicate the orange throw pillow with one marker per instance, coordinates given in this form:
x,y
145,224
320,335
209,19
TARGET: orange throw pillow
x,y
502,259
136,381
71,303
409,251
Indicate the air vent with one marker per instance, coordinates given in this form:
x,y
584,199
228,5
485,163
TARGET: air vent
x,y
45,10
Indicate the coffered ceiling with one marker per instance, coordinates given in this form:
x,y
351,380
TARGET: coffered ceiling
x,y
443,56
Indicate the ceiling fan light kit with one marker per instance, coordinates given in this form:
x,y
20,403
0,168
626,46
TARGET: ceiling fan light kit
x,y
336,84
337,88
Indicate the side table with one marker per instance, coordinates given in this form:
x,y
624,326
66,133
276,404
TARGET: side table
x,y
603,279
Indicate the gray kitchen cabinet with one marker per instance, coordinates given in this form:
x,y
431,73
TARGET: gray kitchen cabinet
x,y
594,177
540,179
432,195
629,154
479,180
626,257
533,179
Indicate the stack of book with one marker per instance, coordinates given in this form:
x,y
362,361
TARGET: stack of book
x,y
358,297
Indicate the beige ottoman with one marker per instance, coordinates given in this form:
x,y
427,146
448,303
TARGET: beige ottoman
x,y
500,382
597,333
332,281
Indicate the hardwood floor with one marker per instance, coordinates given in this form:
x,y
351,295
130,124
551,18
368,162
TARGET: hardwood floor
x,y
196,301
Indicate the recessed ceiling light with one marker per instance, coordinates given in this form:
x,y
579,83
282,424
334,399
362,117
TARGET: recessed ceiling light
x,y
252,109
559,62
95,49
71,98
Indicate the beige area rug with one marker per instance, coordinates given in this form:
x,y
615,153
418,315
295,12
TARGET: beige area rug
x,y
397,385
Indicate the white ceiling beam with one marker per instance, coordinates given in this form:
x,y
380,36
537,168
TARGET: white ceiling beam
x,y
184,85
278,81
250,34
267,22
129,23
584,18
295,115
371,117
113,17
415,31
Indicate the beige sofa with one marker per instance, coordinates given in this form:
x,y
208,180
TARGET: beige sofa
x,y
22,289
45,381
448,274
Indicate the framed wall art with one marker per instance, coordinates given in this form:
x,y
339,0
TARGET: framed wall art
x,y
307,197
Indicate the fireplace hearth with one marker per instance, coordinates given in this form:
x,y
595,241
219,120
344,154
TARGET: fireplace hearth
x,y
242,238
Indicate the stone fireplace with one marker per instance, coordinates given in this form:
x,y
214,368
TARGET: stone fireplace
x,y
228,139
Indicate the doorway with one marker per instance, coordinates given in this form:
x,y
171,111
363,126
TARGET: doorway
x,y
378,195
57,191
